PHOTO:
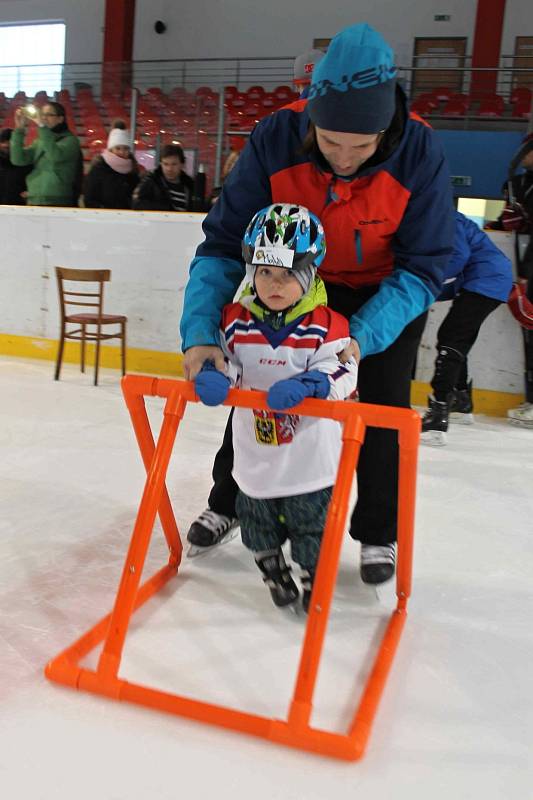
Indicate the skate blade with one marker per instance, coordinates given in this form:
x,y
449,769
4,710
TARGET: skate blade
x,y
520,423
461,419
292,611
433,438
195,551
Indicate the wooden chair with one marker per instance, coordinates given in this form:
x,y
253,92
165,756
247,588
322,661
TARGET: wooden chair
x,y
87,299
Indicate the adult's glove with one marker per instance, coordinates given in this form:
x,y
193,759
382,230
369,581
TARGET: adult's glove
x,y
291,391
211,385
520,306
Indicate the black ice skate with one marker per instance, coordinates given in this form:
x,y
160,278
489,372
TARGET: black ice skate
x,y
210,530
460,406
277,576
307,578
377,562
435,422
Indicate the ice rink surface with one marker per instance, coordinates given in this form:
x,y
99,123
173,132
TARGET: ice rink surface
x,y
456,718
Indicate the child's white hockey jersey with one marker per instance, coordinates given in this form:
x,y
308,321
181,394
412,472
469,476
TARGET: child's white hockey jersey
x,y
281,454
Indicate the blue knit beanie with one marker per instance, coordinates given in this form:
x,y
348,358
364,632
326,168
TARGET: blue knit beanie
x,y
354,87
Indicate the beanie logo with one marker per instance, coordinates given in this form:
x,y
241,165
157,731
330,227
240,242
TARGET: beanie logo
x,y
372,221
359,80
273,257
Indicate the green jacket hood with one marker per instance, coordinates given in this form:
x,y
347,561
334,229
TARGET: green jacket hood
x,y
316,296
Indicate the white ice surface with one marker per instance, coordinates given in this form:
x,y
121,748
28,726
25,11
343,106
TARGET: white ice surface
x,y
456,718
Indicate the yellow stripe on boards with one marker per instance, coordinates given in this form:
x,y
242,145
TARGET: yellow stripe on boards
x,y
495,404
137,360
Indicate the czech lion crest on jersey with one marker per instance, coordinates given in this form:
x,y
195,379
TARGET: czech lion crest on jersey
x,y
272,428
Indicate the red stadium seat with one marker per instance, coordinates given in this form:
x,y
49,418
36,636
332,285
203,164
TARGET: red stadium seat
x,y
521,94
285,94
441,93
521,109
457,106
255,93
491,106
230,92
268,101
239,100
423,107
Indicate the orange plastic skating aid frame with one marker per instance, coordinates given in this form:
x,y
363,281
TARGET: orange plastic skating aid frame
x,y
296,730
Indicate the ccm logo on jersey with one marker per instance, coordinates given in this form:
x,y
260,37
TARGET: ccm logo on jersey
x,y
272,362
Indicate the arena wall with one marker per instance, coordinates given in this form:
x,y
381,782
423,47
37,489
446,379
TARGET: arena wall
x,y
149,255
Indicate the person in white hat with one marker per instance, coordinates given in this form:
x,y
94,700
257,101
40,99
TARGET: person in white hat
x,y
114,174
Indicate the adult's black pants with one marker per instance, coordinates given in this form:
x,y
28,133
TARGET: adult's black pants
x,y
384,379
455,338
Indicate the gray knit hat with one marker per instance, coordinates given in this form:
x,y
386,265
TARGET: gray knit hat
x,y
304,65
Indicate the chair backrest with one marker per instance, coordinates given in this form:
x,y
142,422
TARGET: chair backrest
x,y
75,297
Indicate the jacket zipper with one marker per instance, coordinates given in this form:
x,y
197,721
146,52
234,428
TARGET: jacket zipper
x,y
358,246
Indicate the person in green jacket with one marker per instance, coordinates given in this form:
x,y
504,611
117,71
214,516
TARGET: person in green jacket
x,y
55,155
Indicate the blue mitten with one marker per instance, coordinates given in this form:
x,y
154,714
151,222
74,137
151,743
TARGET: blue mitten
x,y
211,386
291,391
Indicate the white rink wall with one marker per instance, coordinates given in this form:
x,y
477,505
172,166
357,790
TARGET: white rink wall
x,y
149,255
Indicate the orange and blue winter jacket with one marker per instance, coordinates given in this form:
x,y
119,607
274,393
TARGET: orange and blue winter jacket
x,y
392,225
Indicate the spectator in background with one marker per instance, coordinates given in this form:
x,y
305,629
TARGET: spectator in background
x,y
229,163
55,156
517,216
477,279
12,178
167,188
303,70
114,174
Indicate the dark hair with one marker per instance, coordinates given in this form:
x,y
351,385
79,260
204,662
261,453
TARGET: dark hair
x,y
5,134
119,124
172,151
58,108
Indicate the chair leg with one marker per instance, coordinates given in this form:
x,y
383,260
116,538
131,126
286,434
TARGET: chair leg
x,y
97,359
123,326
60,353
83,348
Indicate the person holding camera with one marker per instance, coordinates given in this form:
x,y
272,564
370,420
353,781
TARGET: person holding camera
x,y
54,155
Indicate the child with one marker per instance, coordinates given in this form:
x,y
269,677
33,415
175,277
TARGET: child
x,y
281,338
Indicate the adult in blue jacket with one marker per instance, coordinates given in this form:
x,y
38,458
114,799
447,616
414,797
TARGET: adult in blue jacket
x,y
377,179
478,278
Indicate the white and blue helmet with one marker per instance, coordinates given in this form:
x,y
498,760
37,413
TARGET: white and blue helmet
x,y
284,235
